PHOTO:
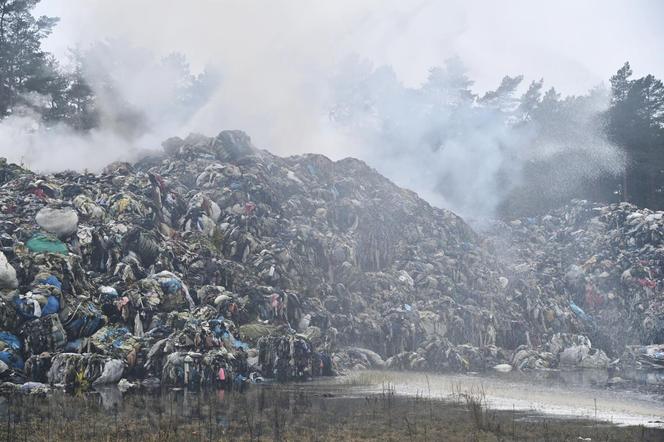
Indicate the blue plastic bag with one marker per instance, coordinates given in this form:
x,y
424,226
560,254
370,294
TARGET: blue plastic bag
x,y
52,306
52,281
12,360
11,341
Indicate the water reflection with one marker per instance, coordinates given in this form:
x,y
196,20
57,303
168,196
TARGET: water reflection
x,y
263,411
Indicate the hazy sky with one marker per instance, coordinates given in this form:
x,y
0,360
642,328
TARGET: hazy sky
x,y
572,44
278,60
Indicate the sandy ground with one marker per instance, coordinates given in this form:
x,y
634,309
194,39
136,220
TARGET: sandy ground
x,y
542,396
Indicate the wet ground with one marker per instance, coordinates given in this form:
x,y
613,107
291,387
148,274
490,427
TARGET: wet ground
x,y
362,406
567,394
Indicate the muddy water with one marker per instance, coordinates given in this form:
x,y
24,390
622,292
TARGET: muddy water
x,y
365,405
580,395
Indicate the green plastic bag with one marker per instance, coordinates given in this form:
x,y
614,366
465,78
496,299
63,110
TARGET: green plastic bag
x,y
42,242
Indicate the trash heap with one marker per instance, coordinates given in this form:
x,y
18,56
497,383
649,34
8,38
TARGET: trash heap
x,y
605,265
215,263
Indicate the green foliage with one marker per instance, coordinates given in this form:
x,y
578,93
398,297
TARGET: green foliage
x,y
636,122
25,70
94,83
31,79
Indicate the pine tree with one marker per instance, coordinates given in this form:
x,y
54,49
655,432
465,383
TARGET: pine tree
x,y
81,100
636,122
25,69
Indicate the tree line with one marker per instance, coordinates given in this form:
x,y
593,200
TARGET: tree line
x,y
91,90
545,126
605,145
30,78
633,120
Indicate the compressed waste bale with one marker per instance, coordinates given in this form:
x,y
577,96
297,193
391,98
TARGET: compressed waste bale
x,y
8,315
572,356
88,208
72,369
171,145
193,369
36,388
120,168
43,299
37,367
173,371
582,356
284,357
256,330
10,341
175,293
43,243
232,145
68,269
115,341
9,171
432,324
60,222
595,359
112,373
217,367
8,278
82,319
525,358
10,350
196,220
35,305
561,341
374,358
313,334
650,357
44,334
144,244
50,280
111,303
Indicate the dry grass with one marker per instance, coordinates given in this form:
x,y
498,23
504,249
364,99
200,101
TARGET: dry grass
x,y
293,413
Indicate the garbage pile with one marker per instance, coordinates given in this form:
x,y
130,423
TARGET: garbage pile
x,y
216,263
605,263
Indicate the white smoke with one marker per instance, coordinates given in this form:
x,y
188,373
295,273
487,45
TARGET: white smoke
x,y
26,140
279,63
469,153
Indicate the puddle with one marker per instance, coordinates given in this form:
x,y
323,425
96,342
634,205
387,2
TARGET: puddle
x,y
564,394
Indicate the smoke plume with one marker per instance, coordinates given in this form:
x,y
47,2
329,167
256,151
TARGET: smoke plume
x,y
279,70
